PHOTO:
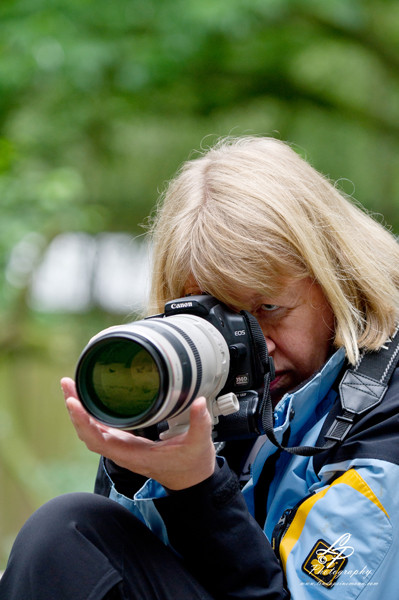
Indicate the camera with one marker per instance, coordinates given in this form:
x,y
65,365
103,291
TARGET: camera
x,y
144,376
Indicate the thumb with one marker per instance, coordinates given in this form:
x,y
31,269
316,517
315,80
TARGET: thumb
x,y
200,420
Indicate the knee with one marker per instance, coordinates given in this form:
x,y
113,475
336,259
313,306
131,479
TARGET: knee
x,y
59,512
64,544
57,523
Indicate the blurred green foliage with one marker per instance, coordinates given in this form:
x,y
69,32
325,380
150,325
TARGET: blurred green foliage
x,y
101,101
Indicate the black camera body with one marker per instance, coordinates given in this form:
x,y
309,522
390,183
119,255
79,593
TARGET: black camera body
x,y
249,362
143,376
245,372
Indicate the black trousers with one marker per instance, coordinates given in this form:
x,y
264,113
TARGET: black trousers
x,y
87,547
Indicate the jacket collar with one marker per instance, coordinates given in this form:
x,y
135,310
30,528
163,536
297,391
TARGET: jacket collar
x,y
300,410
297,407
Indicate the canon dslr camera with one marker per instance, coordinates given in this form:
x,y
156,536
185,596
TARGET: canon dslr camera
x,y
144,376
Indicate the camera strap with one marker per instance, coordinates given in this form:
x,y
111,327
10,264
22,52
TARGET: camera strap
x,y
362,388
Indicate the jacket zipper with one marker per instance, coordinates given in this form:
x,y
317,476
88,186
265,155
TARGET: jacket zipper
x,y
280,529
283,524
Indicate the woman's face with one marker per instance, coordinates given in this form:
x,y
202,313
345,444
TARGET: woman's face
x,y
298,325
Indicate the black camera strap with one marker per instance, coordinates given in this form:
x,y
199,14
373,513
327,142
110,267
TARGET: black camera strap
x,y
361,389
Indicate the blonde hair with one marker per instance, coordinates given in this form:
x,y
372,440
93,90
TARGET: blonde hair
x,y
251,212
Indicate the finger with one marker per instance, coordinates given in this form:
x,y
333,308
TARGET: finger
x,y
80,418
76,409
83,421
90,431
68,387
113,443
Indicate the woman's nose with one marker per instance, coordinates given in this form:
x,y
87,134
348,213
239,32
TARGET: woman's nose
x,y
271,346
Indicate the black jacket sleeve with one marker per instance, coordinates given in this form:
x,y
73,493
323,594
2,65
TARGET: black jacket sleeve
x,y
222,545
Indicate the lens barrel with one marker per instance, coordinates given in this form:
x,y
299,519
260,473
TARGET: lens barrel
x,y
137,375
122,379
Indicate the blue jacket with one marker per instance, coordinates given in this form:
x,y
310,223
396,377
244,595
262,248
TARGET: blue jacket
x,y
302,527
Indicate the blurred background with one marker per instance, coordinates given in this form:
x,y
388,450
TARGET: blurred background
x,y
100,102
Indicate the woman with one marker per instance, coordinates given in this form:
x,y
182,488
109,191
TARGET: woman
x,y
254,225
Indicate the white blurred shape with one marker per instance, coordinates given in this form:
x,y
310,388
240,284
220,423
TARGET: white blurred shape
x,y
121,276
79,271
62,282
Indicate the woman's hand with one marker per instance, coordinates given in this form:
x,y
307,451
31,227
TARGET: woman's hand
x,y
176,463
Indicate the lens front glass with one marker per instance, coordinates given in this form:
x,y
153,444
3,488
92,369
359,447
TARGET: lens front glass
x,y
124,377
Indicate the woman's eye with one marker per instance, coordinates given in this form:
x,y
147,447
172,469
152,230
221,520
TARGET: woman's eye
x,y
269,307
